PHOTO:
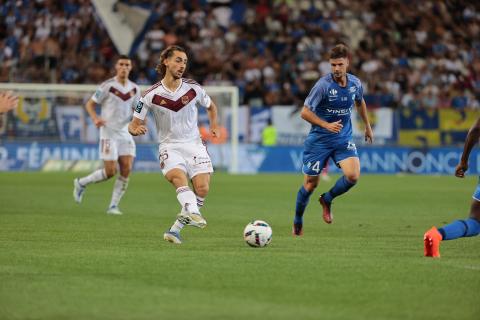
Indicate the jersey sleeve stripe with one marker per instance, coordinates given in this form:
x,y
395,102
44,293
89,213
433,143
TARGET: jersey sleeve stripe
x,y
156,85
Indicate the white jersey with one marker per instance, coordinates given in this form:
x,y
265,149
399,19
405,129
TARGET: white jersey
x,y
175,113
117,103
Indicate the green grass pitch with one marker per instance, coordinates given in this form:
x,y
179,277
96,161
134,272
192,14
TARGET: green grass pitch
x,y
60,260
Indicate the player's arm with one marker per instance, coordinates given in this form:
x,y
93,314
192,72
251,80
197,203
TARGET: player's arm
x,y
137,127
311,117
212,112
362,111
472,138
90,107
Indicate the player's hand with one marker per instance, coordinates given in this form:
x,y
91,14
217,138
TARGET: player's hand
x,y
368,134
138,131
461,169
99,122
334,127
8,101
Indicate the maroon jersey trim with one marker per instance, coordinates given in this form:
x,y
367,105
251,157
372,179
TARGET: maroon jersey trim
x,y
174,105
121,95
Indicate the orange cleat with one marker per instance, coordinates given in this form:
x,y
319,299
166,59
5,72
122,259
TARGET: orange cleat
x,y
431,243
327,212
297,229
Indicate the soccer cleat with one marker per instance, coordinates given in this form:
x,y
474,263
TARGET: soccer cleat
x,y
78,191
173,237
192,219
114,210
297,229
431,243
327,211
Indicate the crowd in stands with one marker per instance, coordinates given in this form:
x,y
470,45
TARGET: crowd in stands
x,y
409,53
53,41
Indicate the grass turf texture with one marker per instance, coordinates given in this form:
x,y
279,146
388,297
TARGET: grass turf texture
x,y
60,260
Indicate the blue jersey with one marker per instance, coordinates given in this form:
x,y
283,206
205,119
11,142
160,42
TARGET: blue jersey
x,y
331,102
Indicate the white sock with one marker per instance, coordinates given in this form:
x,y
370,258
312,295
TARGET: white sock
x,y
119,189
177,226
94,177
187,199
200,201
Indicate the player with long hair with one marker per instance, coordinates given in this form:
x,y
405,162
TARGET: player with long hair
x,y
174,103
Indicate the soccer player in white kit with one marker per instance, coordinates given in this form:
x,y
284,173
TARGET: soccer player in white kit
x,y
117,97
173,102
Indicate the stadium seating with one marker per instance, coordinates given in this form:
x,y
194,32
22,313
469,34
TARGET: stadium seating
x,y
272,50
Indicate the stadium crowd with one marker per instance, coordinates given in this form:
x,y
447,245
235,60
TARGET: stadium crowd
x,y
416,54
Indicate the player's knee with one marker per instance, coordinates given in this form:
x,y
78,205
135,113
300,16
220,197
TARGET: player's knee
x,y
125,172
110,172
202,190
310,186
353,177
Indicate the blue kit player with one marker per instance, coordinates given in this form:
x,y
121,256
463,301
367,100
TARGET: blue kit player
x,y
328,108
460,228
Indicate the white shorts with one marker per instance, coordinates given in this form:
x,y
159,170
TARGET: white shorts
x,y
191,158
111,149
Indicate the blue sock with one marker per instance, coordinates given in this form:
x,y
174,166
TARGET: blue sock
x,y
302,201
460,228
341,186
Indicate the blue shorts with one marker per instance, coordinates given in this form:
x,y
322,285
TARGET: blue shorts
x,y
476,194
316,158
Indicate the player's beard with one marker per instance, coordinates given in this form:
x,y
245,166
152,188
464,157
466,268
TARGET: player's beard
x,y
338,75
178,74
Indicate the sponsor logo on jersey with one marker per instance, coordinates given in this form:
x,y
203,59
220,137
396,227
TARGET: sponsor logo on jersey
x,y
332,95
353,89
139,107
338,111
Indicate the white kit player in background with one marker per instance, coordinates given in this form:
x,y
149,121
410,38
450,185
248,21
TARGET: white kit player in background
x,y
173,103
117,98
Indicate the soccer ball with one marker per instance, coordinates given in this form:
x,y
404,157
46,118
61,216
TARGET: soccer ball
x,y
257,233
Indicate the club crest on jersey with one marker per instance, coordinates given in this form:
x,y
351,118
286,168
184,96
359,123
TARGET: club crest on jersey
x,y
139,107
185,100
351,146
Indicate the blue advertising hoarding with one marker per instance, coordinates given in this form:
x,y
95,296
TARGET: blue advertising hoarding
x,y
252,158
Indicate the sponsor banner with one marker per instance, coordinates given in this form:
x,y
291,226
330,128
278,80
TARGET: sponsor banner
x,y
33,156
457,120
252,158
382,122
376,160
421,119
70,120
291,128
419,138
34,117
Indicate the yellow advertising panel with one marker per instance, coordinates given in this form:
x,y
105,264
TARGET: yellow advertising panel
x,y
454,120
419,138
